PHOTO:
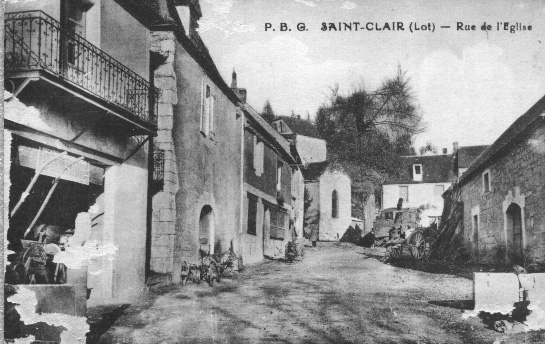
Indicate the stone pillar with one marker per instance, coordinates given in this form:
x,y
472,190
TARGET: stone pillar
x,y
164,202
7,167
125,203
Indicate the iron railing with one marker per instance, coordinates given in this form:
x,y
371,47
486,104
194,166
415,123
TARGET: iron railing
x,y
35,41
158,165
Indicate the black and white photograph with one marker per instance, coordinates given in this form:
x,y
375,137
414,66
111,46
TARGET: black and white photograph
x,y
273,171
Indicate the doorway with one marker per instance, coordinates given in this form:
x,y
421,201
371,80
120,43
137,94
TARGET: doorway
x,y
514,232
206,231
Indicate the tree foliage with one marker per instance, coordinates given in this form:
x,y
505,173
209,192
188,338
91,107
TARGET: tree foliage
x,y
367,132
268,113
429,148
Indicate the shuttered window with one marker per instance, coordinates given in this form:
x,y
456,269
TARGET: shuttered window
x,y
278,224
252,214
208,117
259,156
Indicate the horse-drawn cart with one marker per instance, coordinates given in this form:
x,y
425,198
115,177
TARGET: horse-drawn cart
x,y
416,244
405,221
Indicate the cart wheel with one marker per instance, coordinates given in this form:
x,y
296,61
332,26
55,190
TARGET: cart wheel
x,y
418,247
396,252
197,276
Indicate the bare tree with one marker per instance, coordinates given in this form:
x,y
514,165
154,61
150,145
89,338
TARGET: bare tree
x,y
367,131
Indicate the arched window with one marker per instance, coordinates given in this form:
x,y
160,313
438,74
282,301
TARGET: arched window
x,y
335,204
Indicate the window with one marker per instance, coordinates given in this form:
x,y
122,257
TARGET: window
x,y
252,214
335,204
259,156
404,193
278,224
389,215
74,20
417,172
279,167
438,190
486,182
207,123
212,115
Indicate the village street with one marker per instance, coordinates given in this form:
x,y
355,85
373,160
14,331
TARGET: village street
x,y
338,294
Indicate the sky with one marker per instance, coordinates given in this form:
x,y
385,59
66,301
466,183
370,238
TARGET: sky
x,y
469,85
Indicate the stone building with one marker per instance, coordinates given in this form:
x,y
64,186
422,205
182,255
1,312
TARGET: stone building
x,y
200,133
80,109
503,194
273,189
423,180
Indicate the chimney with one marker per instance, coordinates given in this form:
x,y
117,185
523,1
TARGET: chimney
x,y
444,151
454,147
240,92
234,79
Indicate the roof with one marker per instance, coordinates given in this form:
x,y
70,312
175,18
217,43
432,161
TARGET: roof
x,y
435,168
314,171
299,126
277,140
466,155
503,143
147,12
193,43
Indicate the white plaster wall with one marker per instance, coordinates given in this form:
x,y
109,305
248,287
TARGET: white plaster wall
x,y
333,229
298,204
419,194
125,225
311,149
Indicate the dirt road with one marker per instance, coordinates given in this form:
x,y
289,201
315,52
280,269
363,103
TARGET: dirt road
x,y
340,293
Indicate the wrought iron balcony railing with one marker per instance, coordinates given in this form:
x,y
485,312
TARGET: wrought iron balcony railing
x,y
158,165
35,41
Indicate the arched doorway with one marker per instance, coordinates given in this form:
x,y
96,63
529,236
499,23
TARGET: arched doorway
x,y
514,232
206,230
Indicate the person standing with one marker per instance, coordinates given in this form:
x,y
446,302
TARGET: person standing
x,y
313,235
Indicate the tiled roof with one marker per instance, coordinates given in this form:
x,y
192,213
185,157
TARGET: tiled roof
x,y
435,168
503,143
314,171
466,155
279,141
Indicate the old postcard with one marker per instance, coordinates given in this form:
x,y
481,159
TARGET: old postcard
x,y
288,171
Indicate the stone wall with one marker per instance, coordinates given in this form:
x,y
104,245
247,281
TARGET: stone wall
x,y
164,202
516,177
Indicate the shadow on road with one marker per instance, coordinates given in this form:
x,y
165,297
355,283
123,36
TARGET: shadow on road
x,y
101,319
457,304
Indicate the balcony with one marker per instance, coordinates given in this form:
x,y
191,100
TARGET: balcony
x,y
37,47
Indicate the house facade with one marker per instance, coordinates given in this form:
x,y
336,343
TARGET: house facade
x,y
421,184
503,195
198,210
272,189
80,113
